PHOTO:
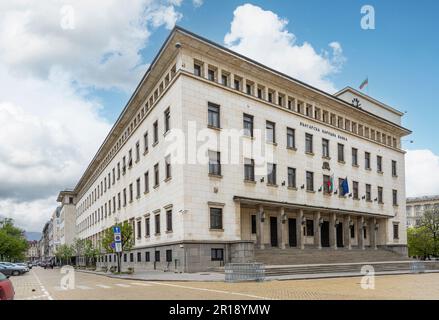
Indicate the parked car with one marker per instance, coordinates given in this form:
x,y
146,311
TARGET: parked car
x,y
23,265
16,265
7,291
11,270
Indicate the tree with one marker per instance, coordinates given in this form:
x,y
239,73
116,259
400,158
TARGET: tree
x,y
127,239
13,244
419,242
64,253
90,252
430,221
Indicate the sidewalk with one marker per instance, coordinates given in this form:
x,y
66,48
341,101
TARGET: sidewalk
x,y
220,277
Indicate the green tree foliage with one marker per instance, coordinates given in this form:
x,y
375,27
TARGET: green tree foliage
x,y
127,237
430,221
420,242
64,253
13,244
90,252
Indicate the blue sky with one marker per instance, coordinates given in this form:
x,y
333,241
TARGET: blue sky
x,y
399,56
83,59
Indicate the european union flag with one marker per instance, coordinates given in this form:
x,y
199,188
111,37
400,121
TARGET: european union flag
x,y
345,187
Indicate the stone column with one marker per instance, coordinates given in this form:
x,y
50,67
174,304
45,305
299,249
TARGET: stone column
x,y
347,232
373,234
317,234
260,228
332,235
299,230
360,233
281,236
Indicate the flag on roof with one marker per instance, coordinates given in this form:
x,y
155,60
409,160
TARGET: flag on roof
x,y
364,83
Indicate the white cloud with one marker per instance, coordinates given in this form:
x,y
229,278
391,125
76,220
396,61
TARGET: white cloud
x,y
197,3
97,42
422,173
263,36
52,55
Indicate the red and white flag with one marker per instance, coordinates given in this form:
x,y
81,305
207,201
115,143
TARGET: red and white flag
x,y
364,83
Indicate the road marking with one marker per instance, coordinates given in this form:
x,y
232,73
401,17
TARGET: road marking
x,y
103,286
141,284
43,289
35,297
122,285
83,287
210,290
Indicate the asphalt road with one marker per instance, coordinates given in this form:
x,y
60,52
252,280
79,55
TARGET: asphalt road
x,y
40,284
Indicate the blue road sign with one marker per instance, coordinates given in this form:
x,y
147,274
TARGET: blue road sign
x,y
113,246
116,229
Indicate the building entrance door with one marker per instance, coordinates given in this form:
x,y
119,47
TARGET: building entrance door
x,y
273,231
324,233
339,232
292,236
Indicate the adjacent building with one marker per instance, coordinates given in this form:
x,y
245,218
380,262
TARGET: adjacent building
x,y
33,253
308,169
416,206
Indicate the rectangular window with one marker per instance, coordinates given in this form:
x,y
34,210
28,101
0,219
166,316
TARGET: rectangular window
x,y
138,188
124,197
270,132
145,142
309,227
157,256
130,158
147,227
380,194
379,164
354,157
249,169
211,75
308,143
248,125
367,160
309,181
271,175
168,167
167,120
291,141
260,93
147,256
156,131
137,151
131,257
156,175
368,192
237,84
168,255
270,97
291,177
139,229
114,175
157,223
395,231
217,254
253,222
395,197
340,148
213,119
131,192
355,189
169,220
394,171
340,187
352,231
225,80
248,89
325,148
114,204
197,70
118,201
214,163
139,257
146,177
216,218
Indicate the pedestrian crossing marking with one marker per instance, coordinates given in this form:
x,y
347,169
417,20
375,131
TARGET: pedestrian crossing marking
x,y
83,287
122,285
141,284
103,286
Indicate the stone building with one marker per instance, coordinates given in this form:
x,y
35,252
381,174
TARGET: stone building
x,y
416,206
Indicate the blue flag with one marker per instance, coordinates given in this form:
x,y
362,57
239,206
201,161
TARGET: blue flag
x,y
345,187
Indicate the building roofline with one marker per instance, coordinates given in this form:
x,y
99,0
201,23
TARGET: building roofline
x,y
422,198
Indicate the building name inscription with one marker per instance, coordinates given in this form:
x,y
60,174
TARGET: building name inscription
x,y
324,131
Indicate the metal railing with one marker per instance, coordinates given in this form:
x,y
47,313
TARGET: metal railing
x,y
417,267
235,272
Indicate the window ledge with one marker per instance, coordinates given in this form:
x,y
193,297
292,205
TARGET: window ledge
x,y
341,162
272,185
248,137
311,191
309,153
271,143
157,234
166,133
249,181
214,128
292,188
370,201
145,152
368,169
292,148
326,158
137,161
169,231
146,192
355,165
155,143
394,176
137,197
216,230
168,179
379,172
156,186
213,175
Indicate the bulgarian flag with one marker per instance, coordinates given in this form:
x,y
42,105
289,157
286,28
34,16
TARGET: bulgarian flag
x,y
364,83
331,184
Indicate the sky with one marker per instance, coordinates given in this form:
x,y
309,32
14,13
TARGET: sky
x,y
67,69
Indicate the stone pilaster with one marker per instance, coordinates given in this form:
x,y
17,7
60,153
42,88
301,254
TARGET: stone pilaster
x,y
260,228
317,231
299,230
281,236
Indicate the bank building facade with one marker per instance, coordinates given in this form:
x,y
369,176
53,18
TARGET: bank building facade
x,y
335,181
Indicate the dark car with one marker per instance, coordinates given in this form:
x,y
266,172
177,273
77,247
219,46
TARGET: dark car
x,y
11,270
6,288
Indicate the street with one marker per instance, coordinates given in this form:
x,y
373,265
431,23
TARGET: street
x,y
41,284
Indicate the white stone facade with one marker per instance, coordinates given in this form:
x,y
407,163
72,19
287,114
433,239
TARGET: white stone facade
x,y
173,85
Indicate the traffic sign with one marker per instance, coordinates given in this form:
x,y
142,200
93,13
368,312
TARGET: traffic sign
x,y
117,237
118,247
116,229
113,246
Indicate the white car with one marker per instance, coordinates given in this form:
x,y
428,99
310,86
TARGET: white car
x,y
18,266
